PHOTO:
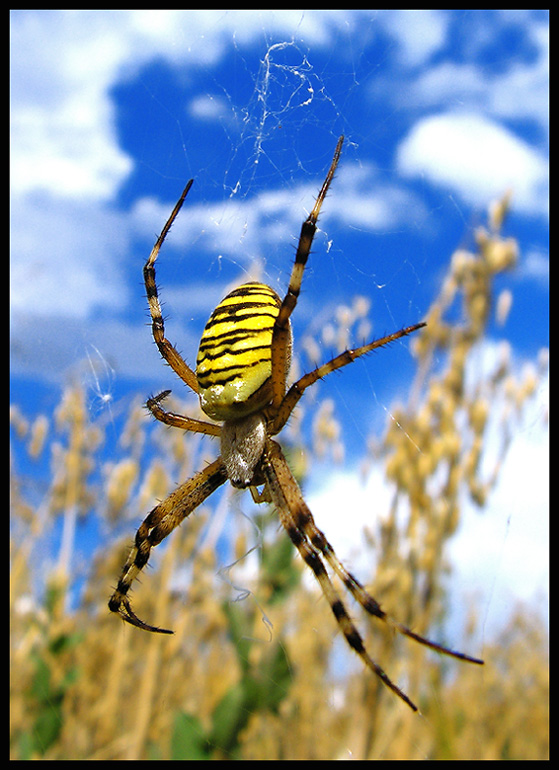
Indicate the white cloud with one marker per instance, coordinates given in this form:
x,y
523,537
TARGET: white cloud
x,y
363,504
64,256
449,83
420,33
520,92
478,159
534,266
502,551
62,136
523,91
209,107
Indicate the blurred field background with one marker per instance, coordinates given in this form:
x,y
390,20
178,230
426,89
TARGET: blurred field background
x,y
255,678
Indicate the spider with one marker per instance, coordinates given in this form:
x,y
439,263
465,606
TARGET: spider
x,y
240,378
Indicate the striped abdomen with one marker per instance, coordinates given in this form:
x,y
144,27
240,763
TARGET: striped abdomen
x,y
234,362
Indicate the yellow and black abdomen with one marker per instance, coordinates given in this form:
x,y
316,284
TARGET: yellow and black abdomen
x,y
234,362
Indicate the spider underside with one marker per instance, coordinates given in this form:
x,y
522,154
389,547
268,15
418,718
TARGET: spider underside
x,y
240,378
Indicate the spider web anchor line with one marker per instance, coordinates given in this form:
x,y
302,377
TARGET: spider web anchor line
x,y
243,593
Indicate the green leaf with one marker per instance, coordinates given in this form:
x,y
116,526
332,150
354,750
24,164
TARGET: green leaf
x,y
230,716
276,675
188,740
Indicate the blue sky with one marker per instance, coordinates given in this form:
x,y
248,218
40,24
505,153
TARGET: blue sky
x,y
442,111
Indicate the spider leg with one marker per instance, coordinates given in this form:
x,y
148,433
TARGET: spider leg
x,y
179,420
305,522
287,498
167,350
159,523
347,357
282,332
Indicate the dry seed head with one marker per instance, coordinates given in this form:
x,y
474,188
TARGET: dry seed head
x,y
155,486
344,339
479,412
311,348
71,408
453,482
133,435
179,445
478,492
425,464
19,422
361,306
543,360
435,395
479,307
344,315
461,264
241,547
482,238
498,210
530,381
121,478
503,362
450,445
501,255
364,330
437,451
39,431
329,335
510,389
423,422
327,431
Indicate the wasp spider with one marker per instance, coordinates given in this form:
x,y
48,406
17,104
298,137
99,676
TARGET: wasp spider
x,y
240,378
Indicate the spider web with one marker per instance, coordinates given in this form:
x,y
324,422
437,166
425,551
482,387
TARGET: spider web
x,y
274,149
244,214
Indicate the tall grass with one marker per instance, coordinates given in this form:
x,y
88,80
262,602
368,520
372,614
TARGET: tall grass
x,y
253,679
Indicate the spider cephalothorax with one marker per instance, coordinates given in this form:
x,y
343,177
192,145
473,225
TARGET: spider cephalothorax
x,y
241,380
